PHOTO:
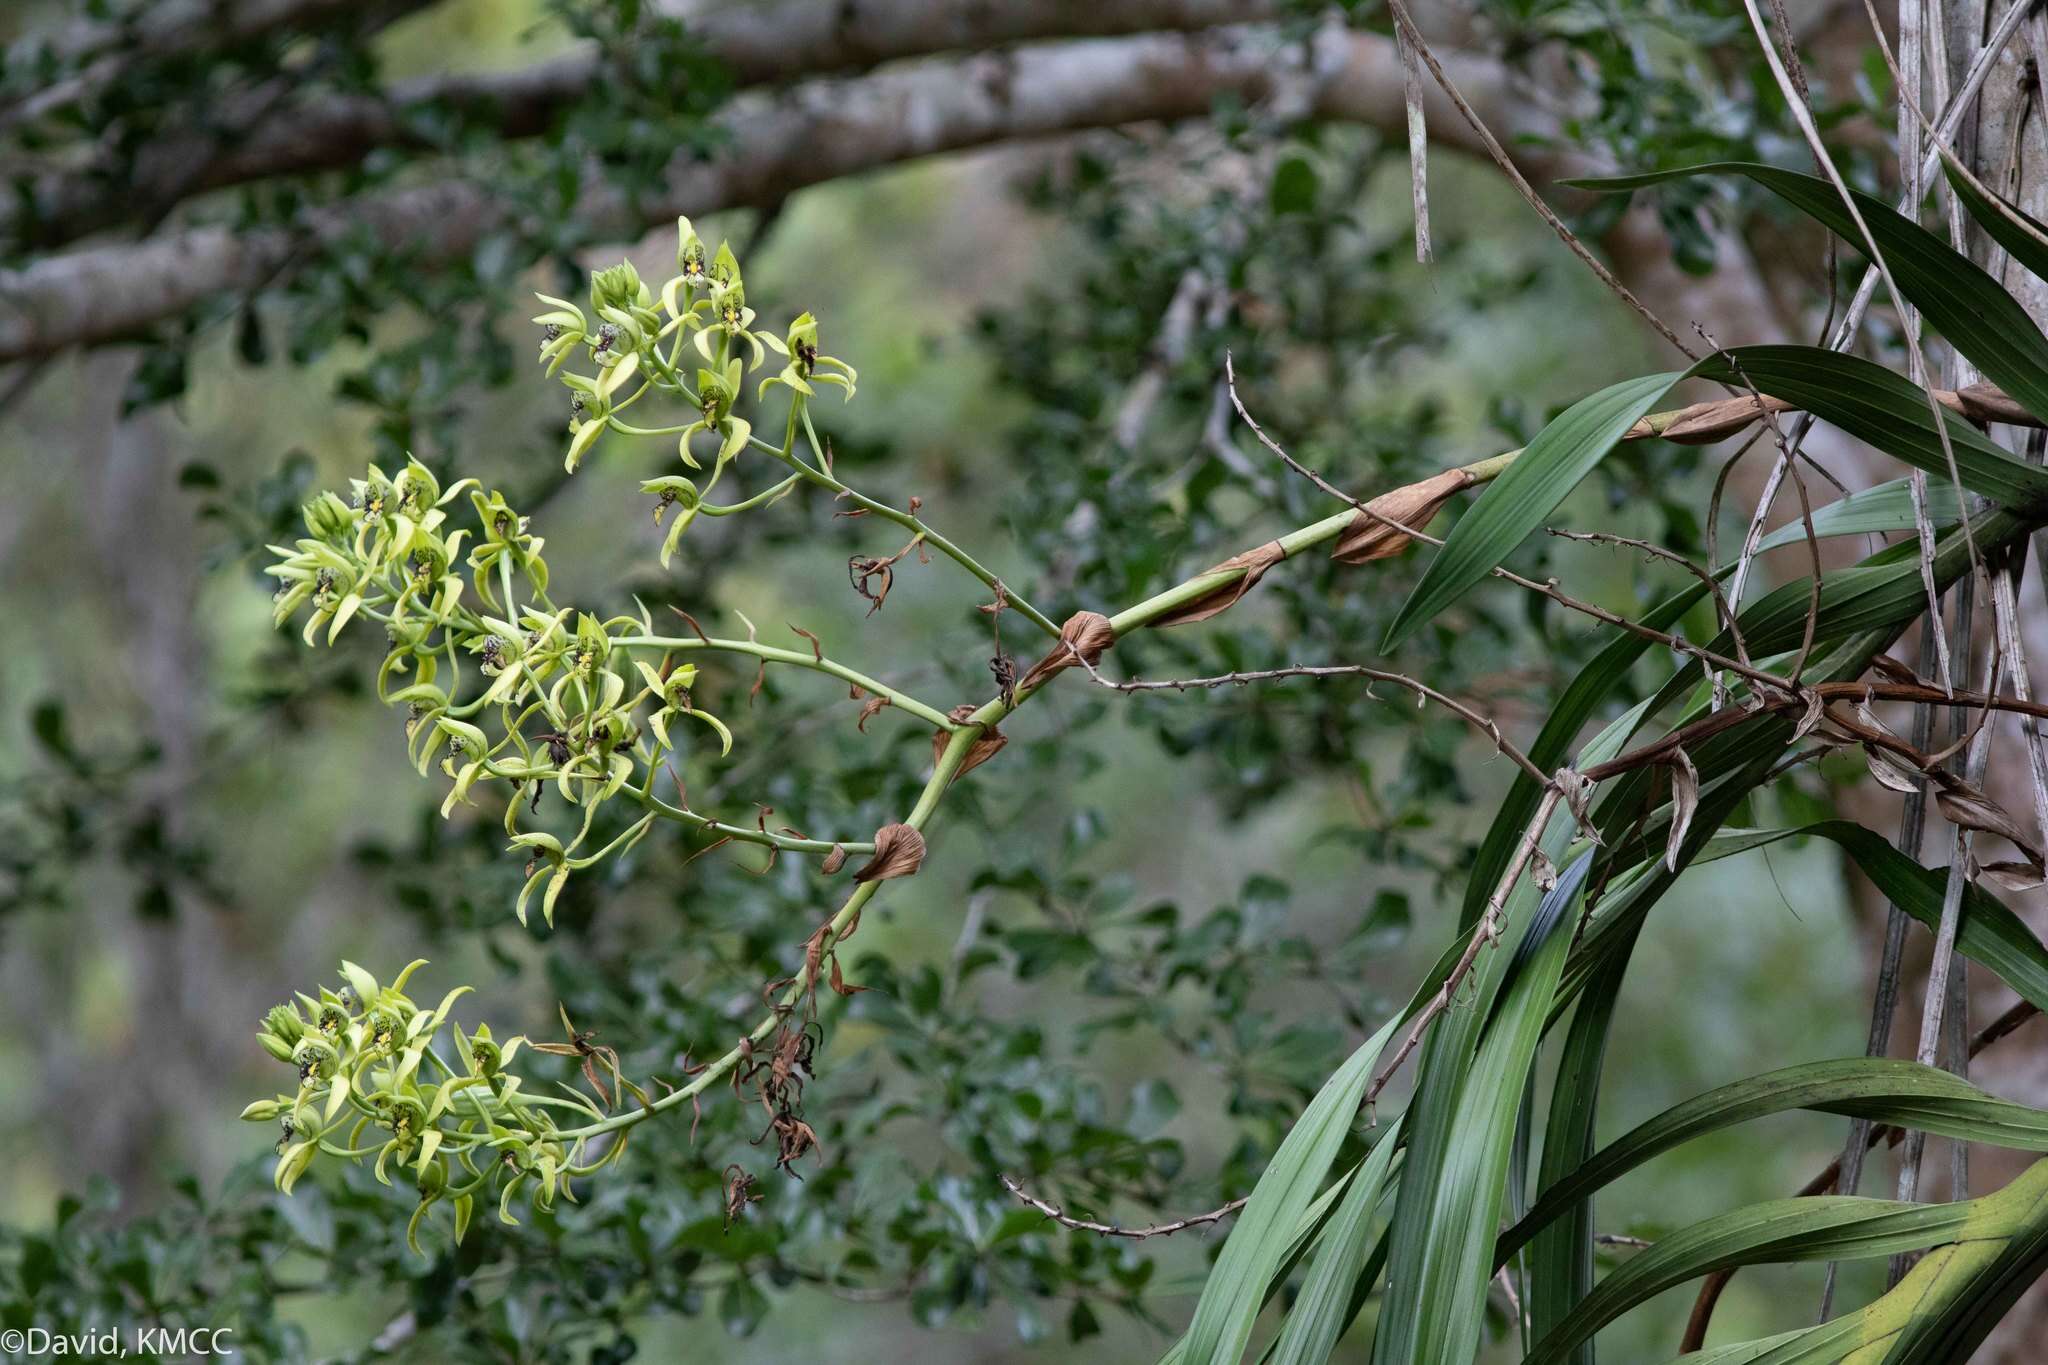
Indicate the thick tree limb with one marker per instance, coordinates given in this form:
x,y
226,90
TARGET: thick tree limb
x,y
164,28
817,131
758,44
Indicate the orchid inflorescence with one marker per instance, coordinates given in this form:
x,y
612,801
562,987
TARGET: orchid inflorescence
x,y
595,708
373,1085
708,304
590,705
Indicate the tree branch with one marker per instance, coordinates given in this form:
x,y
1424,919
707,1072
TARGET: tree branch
x,y
757,44
776,144
108,48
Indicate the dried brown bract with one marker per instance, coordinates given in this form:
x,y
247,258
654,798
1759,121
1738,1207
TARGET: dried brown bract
x,y
871,578
1705,423
1004,669
899,852
1086,633
1223,596
1368,537
835,860
691,621
580,1046
985,747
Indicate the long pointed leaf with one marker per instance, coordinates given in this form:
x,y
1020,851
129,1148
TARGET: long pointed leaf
x,y
1516,503
1324,1308
1882,1089
1957,297
1830,1227
1237,1285
1884,410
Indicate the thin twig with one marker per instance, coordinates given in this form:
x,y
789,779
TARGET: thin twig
x,y
1916,358
1478,721
1065,1219
1885,1006
1486,931
1724,612
1935,1003
1418,141
1852,318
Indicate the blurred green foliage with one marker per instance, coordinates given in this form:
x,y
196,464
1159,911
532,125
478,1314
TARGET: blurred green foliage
x,y
1148,930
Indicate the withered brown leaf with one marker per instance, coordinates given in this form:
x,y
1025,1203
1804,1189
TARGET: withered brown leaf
x,y
835,860
1970,808
1685,802
899,852
872,579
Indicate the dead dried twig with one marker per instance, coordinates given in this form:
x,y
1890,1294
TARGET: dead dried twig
x,y
1065,1219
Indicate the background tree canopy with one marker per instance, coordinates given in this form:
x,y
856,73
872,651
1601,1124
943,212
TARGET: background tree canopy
x,y
250,247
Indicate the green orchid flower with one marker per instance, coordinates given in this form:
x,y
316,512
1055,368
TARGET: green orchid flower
x,y
717,391
674,694
731,319
563,329
674,491
806,365
504,547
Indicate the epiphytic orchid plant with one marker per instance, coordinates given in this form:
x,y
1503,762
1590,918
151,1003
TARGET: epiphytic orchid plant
x,y
1592,833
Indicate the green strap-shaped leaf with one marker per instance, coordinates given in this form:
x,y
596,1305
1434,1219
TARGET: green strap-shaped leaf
x,y
1880,509
1997,221
1516,503
1442,1263
1265,1230
1324,1307
1818,1229
1945,1306
1989,933
1447,1058
1560,1271
1883,410
1882,1089
1958,298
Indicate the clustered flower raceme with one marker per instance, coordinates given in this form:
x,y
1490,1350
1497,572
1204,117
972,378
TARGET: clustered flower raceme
x,y
557,697
708,304
372,1083
564,697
